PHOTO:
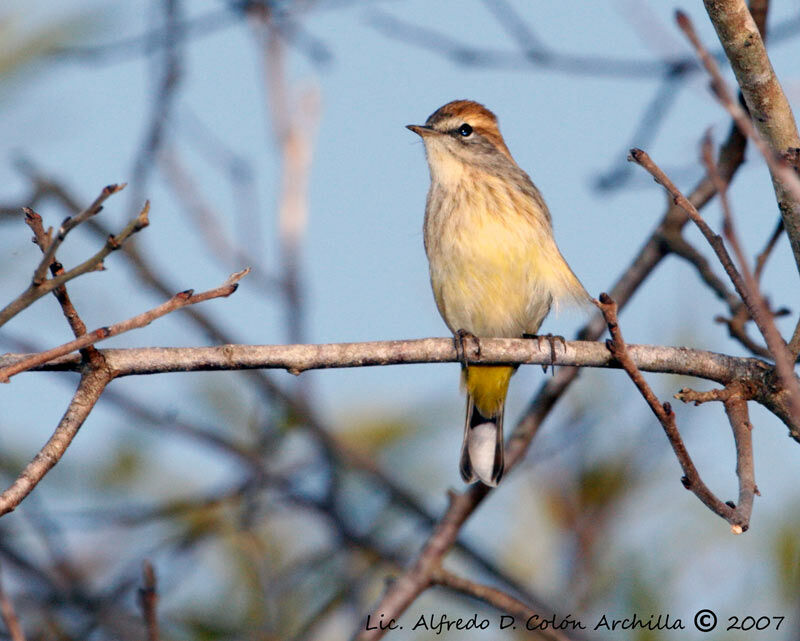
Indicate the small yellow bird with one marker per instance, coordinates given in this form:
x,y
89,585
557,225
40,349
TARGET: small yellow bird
x,y
494,265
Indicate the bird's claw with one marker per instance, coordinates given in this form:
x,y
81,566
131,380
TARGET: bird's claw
x,y
552,340
460,339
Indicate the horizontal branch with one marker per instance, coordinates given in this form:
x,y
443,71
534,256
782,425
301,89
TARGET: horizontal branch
x,y
298,358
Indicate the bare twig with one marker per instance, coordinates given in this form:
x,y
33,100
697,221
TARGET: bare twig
x,y
35,292
688,395
148,600
739,315
738,417
43,240
679,246
70,223
761,259
89,390
181,299
784,360
794,342
691,480
735,401
9,615
775,131
737,329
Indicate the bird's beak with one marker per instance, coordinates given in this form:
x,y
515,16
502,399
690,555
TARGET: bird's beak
x,y
421,130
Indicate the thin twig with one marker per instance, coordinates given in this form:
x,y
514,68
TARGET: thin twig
x,y
728,224
734,399
775,131
91,386
691,479
70,223
784,361
737,329
681,247
761,259
43,240
148,600
181,299
738,417
35,292
739,316
688,395
533,55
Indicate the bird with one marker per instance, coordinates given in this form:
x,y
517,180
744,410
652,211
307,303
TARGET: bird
x,y
495,268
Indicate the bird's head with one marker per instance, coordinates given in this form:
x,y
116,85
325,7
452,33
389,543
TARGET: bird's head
x,y
464,132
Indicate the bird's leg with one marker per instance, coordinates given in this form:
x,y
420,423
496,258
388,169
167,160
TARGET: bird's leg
x,y
551,339
460,339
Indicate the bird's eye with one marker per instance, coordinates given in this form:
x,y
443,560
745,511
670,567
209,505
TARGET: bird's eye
x,y
465,130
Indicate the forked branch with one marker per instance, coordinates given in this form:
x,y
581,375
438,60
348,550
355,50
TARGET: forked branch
x,y
784,360
181,299
738,517
36,291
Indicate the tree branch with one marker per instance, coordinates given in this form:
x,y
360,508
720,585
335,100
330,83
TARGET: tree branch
x,y
738,416
43,240
495,351
784,360
333,446
181,299
90,388
775,131
665,415
35,292
70,223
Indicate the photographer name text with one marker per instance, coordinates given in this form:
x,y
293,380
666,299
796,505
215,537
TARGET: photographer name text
x,y
704,620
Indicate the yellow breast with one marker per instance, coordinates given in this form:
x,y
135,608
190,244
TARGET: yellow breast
x,y
490,250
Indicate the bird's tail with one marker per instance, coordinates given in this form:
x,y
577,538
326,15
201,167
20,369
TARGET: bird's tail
x,y
482,449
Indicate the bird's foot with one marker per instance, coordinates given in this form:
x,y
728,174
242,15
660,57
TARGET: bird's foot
x,y
552,340
460,340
